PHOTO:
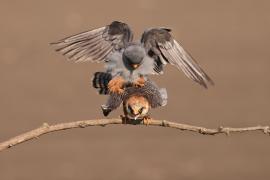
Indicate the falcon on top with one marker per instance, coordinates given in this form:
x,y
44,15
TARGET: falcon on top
x,y
130,62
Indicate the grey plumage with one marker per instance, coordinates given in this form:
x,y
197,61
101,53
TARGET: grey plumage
x,y
118,63
155,96
113,45
164,49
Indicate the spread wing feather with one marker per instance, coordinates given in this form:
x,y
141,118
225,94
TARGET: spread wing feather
x,y
160,44
95,45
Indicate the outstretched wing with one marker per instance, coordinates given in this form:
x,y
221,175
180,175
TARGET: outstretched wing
x,y
160,45
95,45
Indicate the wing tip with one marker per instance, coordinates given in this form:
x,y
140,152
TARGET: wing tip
x,y
54,43
206,82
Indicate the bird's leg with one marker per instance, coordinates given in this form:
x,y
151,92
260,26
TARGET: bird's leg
x,y
116,85
124,119
139,82
147,120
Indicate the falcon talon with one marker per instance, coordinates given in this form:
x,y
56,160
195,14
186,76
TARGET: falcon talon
x,y
147,120
124,119
117,91
139,82
116,85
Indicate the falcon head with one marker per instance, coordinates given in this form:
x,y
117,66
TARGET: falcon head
x,y
136,107
133,56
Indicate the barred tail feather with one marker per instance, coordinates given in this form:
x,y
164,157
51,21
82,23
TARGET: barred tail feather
x,y
101,81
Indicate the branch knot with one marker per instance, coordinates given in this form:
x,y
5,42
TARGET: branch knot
x,y
82,125
164,123
222,129
45,125
266,130
203,131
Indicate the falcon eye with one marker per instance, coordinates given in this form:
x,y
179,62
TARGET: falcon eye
x,y
151,53
130,109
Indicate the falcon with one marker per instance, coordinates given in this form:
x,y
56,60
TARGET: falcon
x,y
137,101
128,61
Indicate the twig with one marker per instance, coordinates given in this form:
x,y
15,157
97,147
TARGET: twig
x,y
45,128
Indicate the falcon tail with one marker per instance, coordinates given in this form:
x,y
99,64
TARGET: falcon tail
x,y
106,110
101,81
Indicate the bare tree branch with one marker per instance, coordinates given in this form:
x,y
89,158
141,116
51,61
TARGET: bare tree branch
x,y
45,128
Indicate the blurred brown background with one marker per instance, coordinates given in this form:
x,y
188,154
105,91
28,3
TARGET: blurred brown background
x,y
231,41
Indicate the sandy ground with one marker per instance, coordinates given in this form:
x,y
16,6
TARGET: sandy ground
x,y
230,39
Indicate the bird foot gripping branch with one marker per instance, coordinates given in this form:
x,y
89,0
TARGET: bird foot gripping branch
x,y
145,120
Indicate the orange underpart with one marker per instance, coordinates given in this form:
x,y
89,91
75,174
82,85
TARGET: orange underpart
x,y
138,99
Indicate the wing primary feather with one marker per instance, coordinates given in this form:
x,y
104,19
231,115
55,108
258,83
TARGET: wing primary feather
x,y
65,44
71,51
79,53
193,64
95,45
106,54
178,57
81,36
159,42
172,57
89,52
192,70
87,57
100,54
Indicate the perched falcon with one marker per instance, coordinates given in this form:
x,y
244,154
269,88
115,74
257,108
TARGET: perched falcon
x,y
137,101
128,61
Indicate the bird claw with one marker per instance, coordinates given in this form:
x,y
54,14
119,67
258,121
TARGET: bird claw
x,y
147,120
116,85
117,90
139,82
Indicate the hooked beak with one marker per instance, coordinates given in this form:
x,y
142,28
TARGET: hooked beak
x,y
136,117
135,66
